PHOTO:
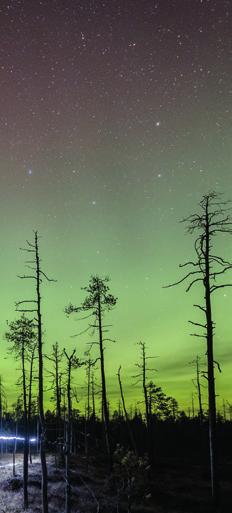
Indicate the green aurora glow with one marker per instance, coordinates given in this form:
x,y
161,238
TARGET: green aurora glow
x,y
108,185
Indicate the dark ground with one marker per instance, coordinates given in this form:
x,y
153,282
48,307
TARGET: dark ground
x,y
175,486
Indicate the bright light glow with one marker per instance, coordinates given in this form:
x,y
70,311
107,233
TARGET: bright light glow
x,y
19,438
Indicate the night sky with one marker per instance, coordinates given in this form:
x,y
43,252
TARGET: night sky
x,y
115,118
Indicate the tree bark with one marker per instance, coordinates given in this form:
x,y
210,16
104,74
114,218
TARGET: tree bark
x,y
210,370
103,380
146,401
93,397
15,447
25,418
199,390
130,432
67,441
30,395
44,480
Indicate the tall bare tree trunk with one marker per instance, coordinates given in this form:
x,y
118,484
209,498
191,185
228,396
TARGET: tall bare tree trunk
x,y
193,407
70,360
210,367
44,482
146,401
93,396
208,267
15,448
88,387
130,432
199,389
25,419
67,452
56,361
87,414
103,381
98,302
30,394
224,409
57,383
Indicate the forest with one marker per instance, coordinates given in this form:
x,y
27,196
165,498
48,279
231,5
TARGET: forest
x,y
55,457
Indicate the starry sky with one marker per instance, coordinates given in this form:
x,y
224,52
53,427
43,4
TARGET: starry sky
x,y
115,118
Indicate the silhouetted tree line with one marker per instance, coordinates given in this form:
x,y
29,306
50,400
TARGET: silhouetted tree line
x,y
159,429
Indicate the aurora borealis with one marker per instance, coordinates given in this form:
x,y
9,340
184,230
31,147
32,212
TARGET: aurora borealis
x,y
115,119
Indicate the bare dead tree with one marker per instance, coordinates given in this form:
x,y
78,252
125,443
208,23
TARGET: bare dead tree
x,y
224,409
15,447
88,372
21,336
93,395
33,306
26,440
193,407
142,376
90,364
17,409
56,358
213,219
72,363
144,381
31,359
198,385
97,302
56,374
130,432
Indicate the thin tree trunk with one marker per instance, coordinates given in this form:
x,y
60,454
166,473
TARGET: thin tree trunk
x,y
44,480
210,372
37,436
25,451
224,410
67,469
126,414
67,443
58,403
93,397
193,407
103,380
88,389
146,401
15,448
30,395
87,417
199,389
86,443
